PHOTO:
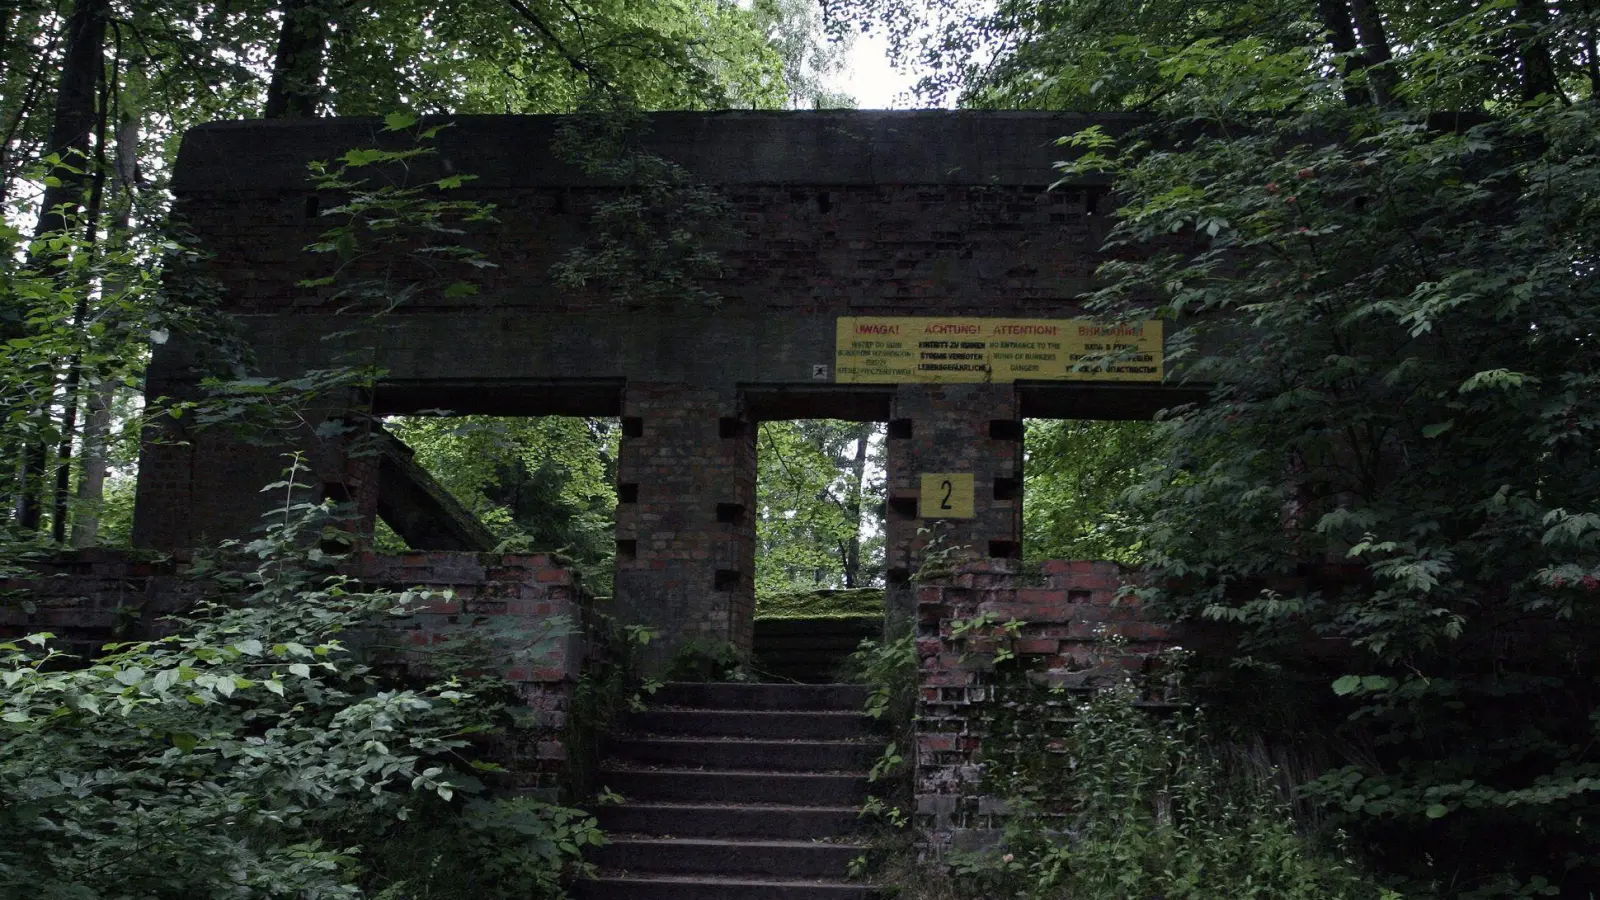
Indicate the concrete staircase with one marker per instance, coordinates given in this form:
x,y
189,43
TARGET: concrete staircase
x,y
736,791
811,650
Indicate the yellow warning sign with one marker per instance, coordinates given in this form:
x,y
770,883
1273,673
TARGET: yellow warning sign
x,y
894,350
947,495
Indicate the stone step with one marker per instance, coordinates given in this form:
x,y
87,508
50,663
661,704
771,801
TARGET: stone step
x,y
806,666
693,786
705,887
780,697
860,626
769,724
704,820
845,641
749,755
747,858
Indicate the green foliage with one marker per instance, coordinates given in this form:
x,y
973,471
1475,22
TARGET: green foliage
x,y
610,686
1074,478
1106,800
257,752
1398,313
79,306
544,484
652,244
700,659
819,505
858,603
396,239
890,670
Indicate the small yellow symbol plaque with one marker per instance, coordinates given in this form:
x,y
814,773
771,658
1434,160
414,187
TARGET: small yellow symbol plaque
x,y
947,495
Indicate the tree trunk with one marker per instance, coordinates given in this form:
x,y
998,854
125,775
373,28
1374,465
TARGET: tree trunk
x,y
858,470
297,70
71,393
1342,38
1592,59
97,427
1533,50
82,73
1375,52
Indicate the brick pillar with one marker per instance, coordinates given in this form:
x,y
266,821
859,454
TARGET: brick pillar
x,y
686,514
954,429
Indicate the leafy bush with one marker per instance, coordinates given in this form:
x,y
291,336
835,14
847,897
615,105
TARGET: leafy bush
x,y
889,669
1111,802
256,753
1400,459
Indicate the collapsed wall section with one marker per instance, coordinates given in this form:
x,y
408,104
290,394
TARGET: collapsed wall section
x,y
524,611
1075,633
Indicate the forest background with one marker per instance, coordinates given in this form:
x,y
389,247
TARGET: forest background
x,y
1397,202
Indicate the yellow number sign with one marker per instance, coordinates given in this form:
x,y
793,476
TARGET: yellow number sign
x,y
947,495
899,350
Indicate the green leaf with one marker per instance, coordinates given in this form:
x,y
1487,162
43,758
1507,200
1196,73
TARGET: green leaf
x,y
1433,431
399,121
1437,811
301,669
1348,684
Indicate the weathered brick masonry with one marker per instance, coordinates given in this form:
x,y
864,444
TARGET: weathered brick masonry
x,y
1068,611
836,214
511,602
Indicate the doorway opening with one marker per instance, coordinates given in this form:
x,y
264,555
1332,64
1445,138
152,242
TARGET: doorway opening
x,y
819,564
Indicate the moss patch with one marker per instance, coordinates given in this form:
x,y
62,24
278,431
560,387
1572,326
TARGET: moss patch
x,y
855,603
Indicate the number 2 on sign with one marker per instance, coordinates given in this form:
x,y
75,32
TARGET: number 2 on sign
x,y
947,495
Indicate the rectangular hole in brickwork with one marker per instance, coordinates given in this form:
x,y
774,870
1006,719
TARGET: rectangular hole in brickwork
x,y
1007,488
628,549
728,428
904,507
1079,596
806,469
730,513
726,580
632,427
898,576
627,493
1005,550
900,429
313,206
1005,429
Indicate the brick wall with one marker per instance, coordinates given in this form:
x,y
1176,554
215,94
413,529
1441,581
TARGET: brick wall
x,y
509,602
1066,609
938,213
88,598
527,611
